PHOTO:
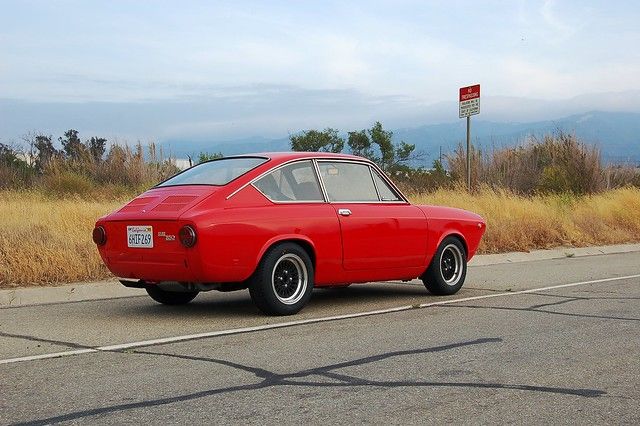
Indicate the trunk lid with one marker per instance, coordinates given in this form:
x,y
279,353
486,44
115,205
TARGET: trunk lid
x,y
166,203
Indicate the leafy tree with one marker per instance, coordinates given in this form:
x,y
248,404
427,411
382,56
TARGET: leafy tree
x,y
205,156
45,152
8,157
326,140
392,157
360,144
73,147
438,168
14,170
97,147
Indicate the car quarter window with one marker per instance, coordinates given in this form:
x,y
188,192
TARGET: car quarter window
x,y
347,181
386,192
293,182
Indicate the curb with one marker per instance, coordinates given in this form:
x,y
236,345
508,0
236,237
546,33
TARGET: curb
x,y
112,289
557,253
76,292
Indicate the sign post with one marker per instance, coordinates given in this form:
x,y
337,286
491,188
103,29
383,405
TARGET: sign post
x,y
469,105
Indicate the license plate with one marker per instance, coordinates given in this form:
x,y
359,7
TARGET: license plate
x,y
140,236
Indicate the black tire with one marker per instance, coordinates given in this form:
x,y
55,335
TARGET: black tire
x,y
170,297
283,281
448,269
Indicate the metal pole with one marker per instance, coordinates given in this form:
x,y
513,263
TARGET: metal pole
x,y
469,153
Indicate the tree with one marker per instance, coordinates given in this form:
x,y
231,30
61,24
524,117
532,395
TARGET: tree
x,y
8,157
392,156
205,156
73,147
360,144
45,152
317,141
14,171
97,147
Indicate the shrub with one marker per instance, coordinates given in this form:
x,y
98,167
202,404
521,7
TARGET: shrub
x,y
557,163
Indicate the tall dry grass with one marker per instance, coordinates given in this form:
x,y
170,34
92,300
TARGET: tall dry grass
x,y
556,163
45,240
523,223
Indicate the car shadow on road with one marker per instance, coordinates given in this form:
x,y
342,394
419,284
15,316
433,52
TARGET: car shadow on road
x,y
238,304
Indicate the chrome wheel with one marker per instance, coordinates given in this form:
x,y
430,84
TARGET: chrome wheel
x,y
289,279
451,261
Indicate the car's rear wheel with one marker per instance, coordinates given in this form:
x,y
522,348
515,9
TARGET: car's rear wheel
x,y
448,268
283,281
170,297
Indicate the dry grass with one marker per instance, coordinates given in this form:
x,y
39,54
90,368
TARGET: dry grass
x,y
45,240
519,223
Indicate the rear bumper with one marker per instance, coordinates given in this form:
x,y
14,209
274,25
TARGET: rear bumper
x,y
176,270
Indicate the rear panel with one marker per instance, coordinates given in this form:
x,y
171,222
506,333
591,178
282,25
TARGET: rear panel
x,y
166,260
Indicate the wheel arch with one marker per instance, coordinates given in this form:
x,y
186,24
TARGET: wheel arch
x,y
458,235
302,240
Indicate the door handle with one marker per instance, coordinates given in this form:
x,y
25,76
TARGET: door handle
x,y
344,212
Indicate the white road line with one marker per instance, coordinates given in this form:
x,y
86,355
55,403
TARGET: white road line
x,y
186,337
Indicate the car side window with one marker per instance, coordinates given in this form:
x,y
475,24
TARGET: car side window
x,y
347,181
386,192
293,182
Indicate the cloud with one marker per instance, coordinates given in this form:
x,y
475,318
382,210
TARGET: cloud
x,y
551,18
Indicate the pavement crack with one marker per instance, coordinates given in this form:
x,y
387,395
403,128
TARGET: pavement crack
x,y
42,340
541,311
560,302
258,372
272,379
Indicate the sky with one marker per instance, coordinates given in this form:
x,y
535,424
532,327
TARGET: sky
x,y
194,69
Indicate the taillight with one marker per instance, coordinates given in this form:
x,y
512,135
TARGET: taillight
x,y
187,236
99,235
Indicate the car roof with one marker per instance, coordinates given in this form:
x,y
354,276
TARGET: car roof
x,y
285,156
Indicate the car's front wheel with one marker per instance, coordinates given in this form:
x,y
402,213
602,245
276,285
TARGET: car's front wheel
x,y
170,297
448,268
283,281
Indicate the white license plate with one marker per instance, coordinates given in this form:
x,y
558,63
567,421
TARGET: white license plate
x,y
140,236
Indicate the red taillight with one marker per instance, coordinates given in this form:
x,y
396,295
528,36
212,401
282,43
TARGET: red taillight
x,y
187,236
99,235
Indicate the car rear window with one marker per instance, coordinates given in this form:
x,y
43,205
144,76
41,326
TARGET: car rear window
x,y
217,172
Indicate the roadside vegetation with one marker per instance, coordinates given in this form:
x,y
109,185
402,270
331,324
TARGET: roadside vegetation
x,y
547,192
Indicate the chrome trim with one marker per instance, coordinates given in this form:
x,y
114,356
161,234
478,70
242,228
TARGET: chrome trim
x,y
344,212
374,183
322,187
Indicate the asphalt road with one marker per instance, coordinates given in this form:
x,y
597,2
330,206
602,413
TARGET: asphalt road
x,y
502,350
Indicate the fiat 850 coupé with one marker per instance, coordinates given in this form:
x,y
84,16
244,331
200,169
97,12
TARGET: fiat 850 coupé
x,y
281,224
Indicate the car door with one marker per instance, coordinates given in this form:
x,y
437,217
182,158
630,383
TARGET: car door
x,y
379,229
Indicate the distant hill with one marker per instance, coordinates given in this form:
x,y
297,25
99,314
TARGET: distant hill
x,y
617,134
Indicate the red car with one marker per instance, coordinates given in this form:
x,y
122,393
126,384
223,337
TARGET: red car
x,y
280,224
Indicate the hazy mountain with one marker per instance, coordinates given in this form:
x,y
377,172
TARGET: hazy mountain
x,y
251,114
617,134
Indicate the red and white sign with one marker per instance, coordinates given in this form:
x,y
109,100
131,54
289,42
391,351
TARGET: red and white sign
x,y
469,101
